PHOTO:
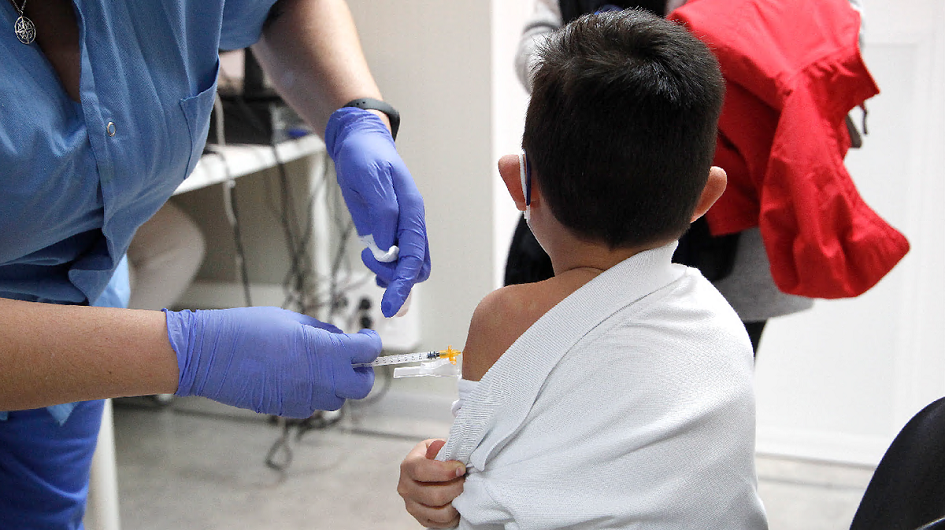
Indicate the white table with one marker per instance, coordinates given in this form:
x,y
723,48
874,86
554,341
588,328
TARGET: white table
x,y
242,160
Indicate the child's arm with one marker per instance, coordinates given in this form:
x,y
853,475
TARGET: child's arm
x,y
429,486
500,318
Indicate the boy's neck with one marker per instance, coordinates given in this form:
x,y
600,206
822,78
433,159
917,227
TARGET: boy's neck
x,y
575,254
570,252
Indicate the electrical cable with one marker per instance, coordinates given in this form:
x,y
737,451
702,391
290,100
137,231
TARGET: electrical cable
x,y
287,216
280,454
306,291
299,277
280,448
229,202
299,273
301,283
229,190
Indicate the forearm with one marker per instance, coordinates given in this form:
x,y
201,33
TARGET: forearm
x,y
311,52
53,354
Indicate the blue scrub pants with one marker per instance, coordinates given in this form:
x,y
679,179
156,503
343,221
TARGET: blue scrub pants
x,y
44,467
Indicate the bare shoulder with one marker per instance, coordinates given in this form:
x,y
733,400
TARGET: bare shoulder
x,y
499,319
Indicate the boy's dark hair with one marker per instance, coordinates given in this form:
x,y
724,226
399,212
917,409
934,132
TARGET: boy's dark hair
x,y
621,126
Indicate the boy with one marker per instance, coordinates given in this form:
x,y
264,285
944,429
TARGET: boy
x,y
618,393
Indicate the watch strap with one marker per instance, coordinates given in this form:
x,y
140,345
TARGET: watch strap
x,y
376,104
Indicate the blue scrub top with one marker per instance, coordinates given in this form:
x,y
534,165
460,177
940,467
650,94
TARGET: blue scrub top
x,y
78,179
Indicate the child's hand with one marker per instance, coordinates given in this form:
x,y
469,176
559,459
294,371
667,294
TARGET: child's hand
x,y
429,486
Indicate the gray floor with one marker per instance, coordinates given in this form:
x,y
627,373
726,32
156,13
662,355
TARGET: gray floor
x,y
197,465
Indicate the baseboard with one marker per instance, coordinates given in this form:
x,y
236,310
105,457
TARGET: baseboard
x,y
817,445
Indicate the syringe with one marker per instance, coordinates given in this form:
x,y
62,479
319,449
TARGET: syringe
x,y
404,358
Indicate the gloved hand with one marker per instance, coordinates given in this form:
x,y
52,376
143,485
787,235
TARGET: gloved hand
x,y
383,200
270,360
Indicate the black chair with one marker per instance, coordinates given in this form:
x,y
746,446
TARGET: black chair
x,y
907,490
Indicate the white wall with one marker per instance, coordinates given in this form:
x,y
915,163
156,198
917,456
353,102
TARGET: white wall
x,y
838,382
511,101
447,67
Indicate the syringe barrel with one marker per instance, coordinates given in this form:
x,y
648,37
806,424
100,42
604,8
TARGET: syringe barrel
x,y
402,358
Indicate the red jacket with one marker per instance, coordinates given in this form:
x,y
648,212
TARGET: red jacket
x,y
793,71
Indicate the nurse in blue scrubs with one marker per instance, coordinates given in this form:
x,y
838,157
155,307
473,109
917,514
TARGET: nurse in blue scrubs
x,y
104,110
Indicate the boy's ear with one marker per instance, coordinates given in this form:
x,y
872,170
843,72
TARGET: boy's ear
x,y
509,170
711,192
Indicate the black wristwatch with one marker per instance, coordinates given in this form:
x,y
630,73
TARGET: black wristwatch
x,y
376,104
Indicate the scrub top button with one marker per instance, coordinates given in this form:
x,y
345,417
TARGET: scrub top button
x,y
110,128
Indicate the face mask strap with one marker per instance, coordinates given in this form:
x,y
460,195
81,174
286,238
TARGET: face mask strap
x,y
525,172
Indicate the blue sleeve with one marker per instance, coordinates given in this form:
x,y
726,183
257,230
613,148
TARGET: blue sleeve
x,y
242,22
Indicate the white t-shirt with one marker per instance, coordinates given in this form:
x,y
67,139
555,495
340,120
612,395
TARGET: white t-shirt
x,y
630,404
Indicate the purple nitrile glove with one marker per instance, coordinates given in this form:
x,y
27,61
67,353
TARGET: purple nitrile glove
x,y
383,200
270,360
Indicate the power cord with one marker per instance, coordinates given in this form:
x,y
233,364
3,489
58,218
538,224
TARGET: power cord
x,y
301,283
229,201
280,454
